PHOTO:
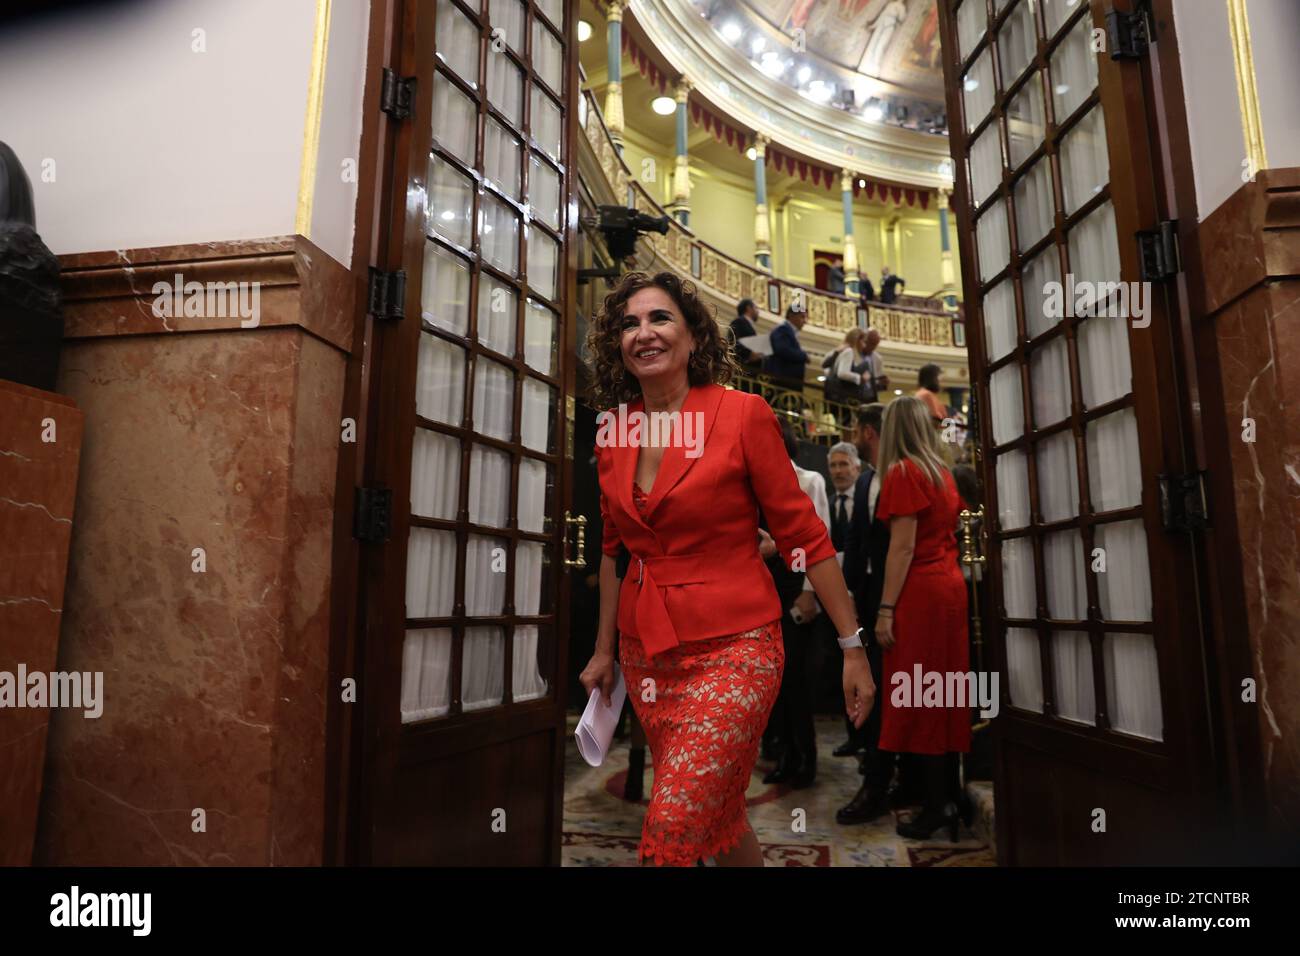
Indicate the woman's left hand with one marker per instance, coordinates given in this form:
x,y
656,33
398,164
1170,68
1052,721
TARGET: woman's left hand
x,y
766,545
859,688
885,631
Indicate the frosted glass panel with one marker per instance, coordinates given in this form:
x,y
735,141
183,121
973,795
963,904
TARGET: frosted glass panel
x,y
1056,12
1025,669
529,684
1049,382
458,42
505,88
1034,209
532,495
507,18
971,22
1058,479
546,125
426,674
1006,407
482,673
451,198
1017,42
994,241
444,296
1019,599
1026,120
1085,166
985,164
1133,685
539,337
1124,590
547,57
502,158
1094,254
1000,320
455,120
538,414
1063,574
1043,269
1076,697
544,192
494,399
440,380
489,486
485,575
529,557
1013,490
554,10
1074,70
496,314
1104,369
1114,463
499,238
977,90
543,258
430,573
435,474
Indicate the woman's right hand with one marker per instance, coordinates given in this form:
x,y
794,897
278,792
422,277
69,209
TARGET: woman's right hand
x,y
599,672
766,545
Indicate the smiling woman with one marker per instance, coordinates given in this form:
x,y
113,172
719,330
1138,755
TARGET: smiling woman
x,y
696,619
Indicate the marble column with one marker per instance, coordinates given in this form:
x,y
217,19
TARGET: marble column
x,y
851,285
762,234
681,205
945,253
614,88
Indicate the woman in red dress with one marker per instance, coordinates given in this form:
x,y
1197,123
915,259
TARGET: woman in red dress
x,y
922,624
684,466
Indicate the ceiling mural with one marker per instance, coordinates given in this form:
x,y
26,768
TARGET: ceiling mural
x,y
893,40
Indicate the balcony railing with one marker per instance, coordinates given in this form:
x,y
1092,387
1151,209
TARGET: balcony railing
x,y
912,320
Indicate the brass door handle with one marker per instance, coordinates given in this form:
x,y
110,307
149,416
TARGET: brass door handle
x,y
580,521
969,548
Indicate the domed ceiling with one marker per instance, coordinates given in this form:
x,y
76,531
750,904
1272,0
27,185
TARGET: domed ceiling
x,y
885,50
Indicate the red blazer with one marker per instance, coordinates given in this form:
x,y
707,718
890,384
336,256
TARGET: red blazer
x,y
696,572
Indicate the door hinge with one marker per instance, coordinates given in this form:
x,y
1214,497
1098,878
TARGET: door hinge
x,y
387,294
373,519
1158,252
1129,34
397,94
1183,505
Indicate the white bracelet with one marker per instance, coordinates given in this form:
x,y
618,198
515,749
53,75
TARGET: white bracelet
x,y
853,640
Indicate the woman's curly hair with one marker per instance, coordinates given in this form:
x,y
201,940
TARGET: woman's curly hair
x,y
612,384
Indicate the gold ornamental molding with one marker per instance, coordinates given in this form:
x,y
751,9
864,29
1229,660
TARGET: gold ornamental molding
x,y
311,126
1243,62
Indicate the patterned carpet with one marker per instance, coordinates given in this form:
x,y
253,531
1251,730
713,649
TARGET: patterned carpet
x,y
602,829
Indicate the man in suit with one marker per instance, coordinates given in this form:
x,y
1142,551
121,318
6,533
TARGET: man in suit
x,y
742,326
866,545
890,285
788,359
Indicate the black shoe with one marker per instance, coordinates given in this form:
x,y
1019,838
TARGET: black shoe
x,y
784,770
925,823
846,749
804,776
867,804
901,797
965,809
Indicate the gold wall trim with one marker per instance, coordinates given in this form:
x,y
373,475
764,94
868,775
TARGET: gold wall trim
x,y
311,127
1243,62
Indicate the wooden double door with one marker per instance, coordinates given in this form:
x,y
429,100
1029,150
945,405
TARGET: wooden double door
x,y
461,745
1106,744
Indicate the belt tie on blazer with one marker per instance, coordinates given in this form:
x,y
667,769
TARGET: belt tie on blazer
x,y
653,624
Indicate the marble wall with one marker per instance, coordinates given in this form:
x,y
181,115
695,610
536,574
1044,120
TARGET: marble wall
x,y
1252,248
202,432
40,447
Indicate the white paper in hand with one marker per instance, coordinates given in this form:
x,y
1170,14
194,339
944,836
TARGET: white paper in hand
x,y
758,344
596,728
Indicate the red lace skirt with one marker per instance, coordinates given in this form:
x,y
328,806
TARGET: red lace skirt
x,y
704,705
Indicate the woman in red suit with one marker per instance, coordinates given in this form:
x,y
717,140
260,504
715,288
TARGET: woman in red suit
x,y
922,620
696,615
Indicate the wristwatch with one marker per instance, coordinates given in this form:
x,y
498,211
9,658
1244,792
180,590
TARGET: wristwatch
x,y
853,640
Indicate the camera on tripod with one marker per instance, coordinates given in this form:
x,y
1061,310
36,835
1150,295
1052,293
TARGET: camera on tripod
x,y
620,226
